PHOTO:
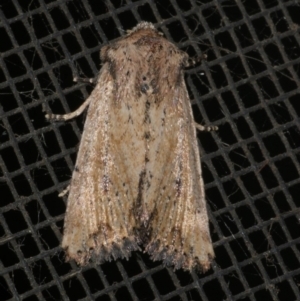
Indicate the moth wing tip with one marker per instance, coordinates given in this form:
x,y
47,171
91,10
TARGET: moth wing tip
x,y
100,254
179,259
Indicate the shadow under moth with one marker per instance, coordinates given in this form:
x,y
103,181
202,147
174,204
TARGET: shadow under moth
x,y
137,182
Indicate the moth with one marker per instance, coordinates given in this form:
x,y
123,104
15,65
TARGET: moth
x,y
137,182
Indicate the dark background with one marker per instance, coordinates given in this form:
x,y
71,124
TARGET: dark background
x,y
248,86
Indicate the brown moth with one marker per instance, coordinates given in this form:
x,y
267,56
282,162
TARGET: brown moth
x,y
137,181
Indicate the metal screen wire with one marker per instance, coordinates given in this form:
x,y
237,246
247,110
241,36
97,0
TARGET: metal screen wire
x,y
248,87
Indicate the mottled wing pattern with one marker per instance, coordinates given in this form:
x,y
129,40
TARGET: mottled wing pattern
x,y
138,179
178,224
99,222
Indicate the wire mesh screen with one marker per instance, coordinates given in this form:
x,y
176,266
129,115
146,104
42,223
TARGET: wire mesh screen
x,y
248,87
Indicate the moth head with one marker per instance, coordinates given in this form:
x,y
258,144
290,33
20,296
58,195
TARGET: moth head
x,y
141,25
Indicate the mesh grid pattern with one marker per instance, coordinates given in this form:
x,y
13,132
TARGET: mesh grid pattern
x,y
249,86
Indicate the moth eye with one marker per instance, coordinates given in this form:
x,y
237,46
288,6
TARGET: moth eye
x,y
144,78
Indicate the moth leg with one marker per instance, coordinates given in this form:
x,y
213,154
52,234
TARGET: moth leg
x,y
64,192
70,115
85,80
190,62
202,128
80,109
